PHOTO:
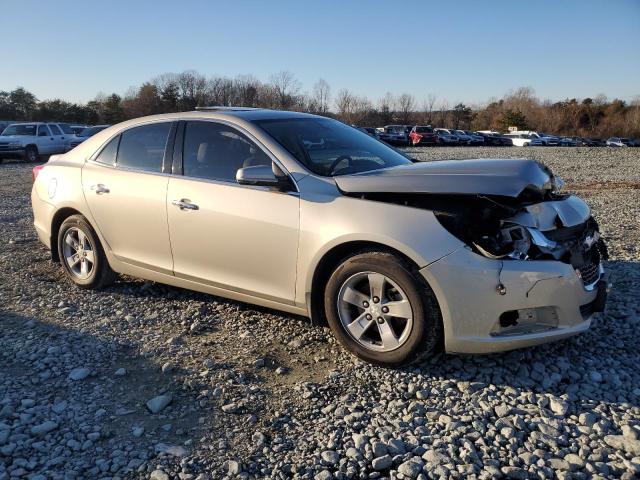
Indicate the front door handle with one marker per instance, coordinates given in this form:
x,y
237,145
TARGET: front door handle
x,y
99,189
185,204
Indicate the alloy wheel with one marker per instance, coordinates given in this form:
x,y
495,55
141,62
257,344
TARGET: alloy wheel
x,y
375,311
79,253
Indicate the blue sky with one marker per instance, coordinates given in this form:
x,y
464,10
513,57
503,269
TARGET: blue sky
x,y
460,51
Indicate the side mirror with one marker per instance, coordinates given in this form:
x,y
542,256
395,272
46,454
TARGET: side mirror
x,y
262,175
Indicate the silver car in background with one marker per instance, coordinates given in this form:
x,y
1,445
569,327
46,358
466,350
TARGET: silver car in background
x,y
307,215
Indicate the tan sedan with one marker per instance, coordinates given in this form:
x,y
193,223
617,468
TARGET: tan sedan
x,y
307,215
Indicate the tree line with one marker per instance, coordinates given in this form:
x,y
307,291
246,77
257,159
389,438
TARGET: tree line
x,y
175,92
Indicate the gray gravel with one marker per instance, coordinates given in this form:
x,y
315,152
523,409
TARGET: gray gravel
x,y
147,381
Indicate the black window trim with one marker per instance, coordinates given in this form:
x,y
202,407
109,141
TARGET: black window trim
x,y
168,146
178,165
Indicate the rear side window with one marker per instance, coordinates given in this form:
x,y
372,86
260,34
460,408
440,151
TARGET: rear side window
x,y
143,147
43,131
55,129
109,152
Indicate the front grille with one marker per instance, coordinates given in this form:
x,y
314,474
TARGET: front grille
x,y
589,273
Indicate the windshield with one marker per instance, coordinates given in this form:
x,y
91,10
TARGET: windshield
x,y
22,129
89,131
329,148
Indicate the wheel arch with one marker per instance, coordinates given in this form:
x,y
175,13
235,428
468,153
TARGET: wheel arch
x,y
60,216
327,264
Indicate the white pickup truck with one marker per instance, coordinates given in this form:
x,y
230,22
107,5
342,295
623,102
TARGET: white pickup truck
x,y
28,141
526,138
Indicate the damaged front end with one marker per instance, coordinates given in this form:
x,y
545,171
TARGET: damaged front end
x,y
534,222
559,228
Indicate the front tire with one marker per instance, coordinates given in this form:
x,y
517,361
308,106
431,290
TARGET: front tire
x,y
31,154
382,310
81,254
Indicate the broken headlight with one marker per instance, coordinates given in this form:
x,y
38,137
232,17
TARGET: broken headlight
x,y
512,241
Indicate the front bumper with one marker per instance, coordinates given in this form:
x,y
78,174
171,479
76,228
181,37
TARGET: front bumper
x,y
549,296
12,152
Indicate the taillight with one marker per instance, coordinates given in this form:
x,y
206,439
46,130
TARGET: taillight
x,y
35,172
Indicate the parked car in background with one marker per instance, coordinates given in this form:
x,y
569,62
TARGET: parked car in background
x,y
518,139
617,142
494,139
446,137
308,215
569,141
594,142
29,141
539,138
4,125
463,138
88,132
476,138
423,135
77,128
395,134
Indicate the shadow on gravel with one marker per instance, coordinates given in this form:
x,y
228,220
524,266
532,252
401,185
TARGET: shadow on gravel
x,y
589,368
91,394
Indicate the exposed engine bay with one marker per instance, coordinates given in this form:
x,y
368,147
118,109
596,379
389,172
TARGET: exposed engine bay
x,y
558,227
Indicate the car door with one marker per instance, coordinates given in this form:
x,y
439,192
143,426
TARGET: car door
x,y
60,138
126,187
240,238
45,141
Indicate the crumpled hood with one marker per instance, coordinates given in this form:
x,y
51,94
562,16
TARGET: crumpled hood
x,y
501,177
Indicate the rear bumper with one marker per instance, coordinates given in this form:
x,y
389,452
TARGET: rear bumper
x,y
547,298
42,217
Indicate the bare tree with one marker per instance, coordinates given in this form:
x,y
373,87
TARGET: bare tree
x,y
386,107
443,113
321,96
345,105
286,87
429,103
406,106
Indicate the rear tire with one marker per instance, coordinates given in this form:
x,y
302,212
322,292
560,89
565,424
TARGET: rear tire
x,y
31,154
358,317
82,255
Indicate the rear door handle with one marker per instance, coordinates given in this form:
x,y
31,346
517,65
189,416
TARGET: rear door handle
x,y
99,189
185,204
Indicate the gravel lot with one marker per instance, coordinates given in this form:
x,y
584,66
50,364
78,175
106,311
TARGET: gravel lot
x,y
148,381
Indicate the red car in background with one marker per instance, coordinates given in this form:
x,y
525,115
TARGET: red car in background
x,y
422,135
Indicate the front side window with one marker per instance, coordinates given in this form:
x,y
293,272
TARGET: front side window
x,y
328,147
216,152
143,147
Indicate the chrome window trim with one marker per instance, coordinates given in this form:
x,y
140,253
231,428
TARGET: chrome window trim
x,y
259,144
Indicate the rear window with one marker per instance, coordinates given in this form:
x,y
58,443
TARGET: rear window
x,y
143,147
55,129
66,128
424,130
